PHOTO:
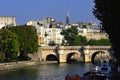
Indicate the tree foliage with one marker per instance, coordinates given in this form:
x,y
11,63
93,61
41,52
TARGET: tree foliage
x,y
2,56
9,46
101,42
80,40
70,35
28,40
107,11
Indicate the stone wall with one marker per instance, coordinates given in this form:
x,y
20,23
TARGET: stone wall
x,y
15,65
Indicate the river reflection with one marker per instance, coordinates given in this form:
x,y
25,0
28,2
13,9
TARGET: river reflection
x,y
46,72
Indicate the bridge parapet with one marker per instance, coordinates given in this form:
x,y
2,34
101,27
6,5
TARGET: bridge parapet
x,y
97,47
48,47
69,47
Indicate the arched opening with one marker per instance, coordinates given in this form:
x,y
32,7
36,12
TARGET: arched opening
x,y
51,57
74,57
97,56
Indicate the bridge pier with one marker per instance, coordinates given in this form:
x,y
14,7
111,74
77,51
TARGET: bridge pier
x,y
61,58
87,54
87,59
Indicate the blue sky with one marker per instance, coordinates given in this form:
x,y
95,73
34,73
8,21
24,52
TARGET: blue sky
x,y
25,10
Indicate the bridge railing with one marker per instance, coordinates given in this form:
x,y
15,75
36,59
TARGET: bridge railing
x,y
76,47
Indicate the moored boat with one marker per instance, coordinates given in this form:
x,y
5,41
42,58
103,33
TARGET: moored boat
x,y
76,77
100,72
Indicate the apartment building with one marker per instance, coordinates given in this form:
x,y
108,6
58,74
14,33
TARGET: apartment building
x,y
48,31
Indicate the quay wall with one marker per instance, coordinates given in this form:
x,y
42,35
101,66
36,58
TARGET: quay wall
x,y
22,64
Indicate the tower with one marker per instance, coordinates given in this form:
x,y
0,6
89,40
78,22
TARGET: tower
x,y
67,18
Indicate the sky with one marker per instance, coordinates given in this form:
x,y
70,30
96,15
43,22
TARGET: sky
x,y
25,10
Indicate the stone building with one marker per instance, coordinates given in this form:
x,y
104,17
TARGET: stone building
x,y
7,21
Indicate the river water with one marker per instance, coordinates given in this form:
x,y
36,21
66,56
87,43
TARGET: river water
x,y
46,72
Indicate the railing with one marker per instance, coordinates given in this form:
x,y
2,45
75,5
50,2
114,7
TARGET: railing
x,y
76,47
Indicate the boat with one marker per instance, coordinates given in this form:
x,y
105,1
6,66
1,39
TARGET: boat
x,y
76,77
103,71
104,67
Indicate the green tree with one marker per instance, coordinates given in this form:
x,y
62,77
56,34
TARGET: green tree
x,y
70,35
80,40
107,11
9,44
101,42
2,56
28,40
92,42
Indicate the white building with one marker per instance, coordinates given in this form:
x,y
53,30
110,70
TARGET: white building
x,y
47,31
6,21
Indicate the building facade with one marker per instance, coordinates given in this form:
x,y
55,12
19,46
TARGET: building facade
x,y
7,21
48,31
90,30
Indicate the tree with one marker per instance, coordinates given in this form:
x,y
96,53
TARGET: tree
x,y
28,40
70,35
107,11
81,40
101,42
9,46
2,56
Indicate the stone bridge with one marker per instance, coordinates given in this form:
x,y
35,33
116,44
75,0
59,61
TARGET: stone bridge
x,y
73,53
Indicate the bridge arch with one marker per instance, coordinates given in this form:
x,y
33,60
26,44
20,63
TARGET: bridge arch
x,y
98,55
52,57
74,57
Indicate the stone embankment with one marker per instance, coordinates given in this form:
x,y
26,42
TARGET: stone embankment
x,y
15,65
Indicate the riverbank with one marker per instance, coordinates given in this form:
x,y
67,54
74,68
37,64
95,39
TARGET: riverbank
x,y
21,64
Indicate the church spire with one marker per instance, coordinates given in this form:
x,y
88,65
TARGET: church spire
x,y
68,13
67,18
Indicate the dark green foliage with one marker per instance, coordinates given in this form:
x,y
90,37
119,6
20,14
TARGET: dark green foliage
x,y
28,40
108,12
9,46
70,35
2,56
80,40
101,42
